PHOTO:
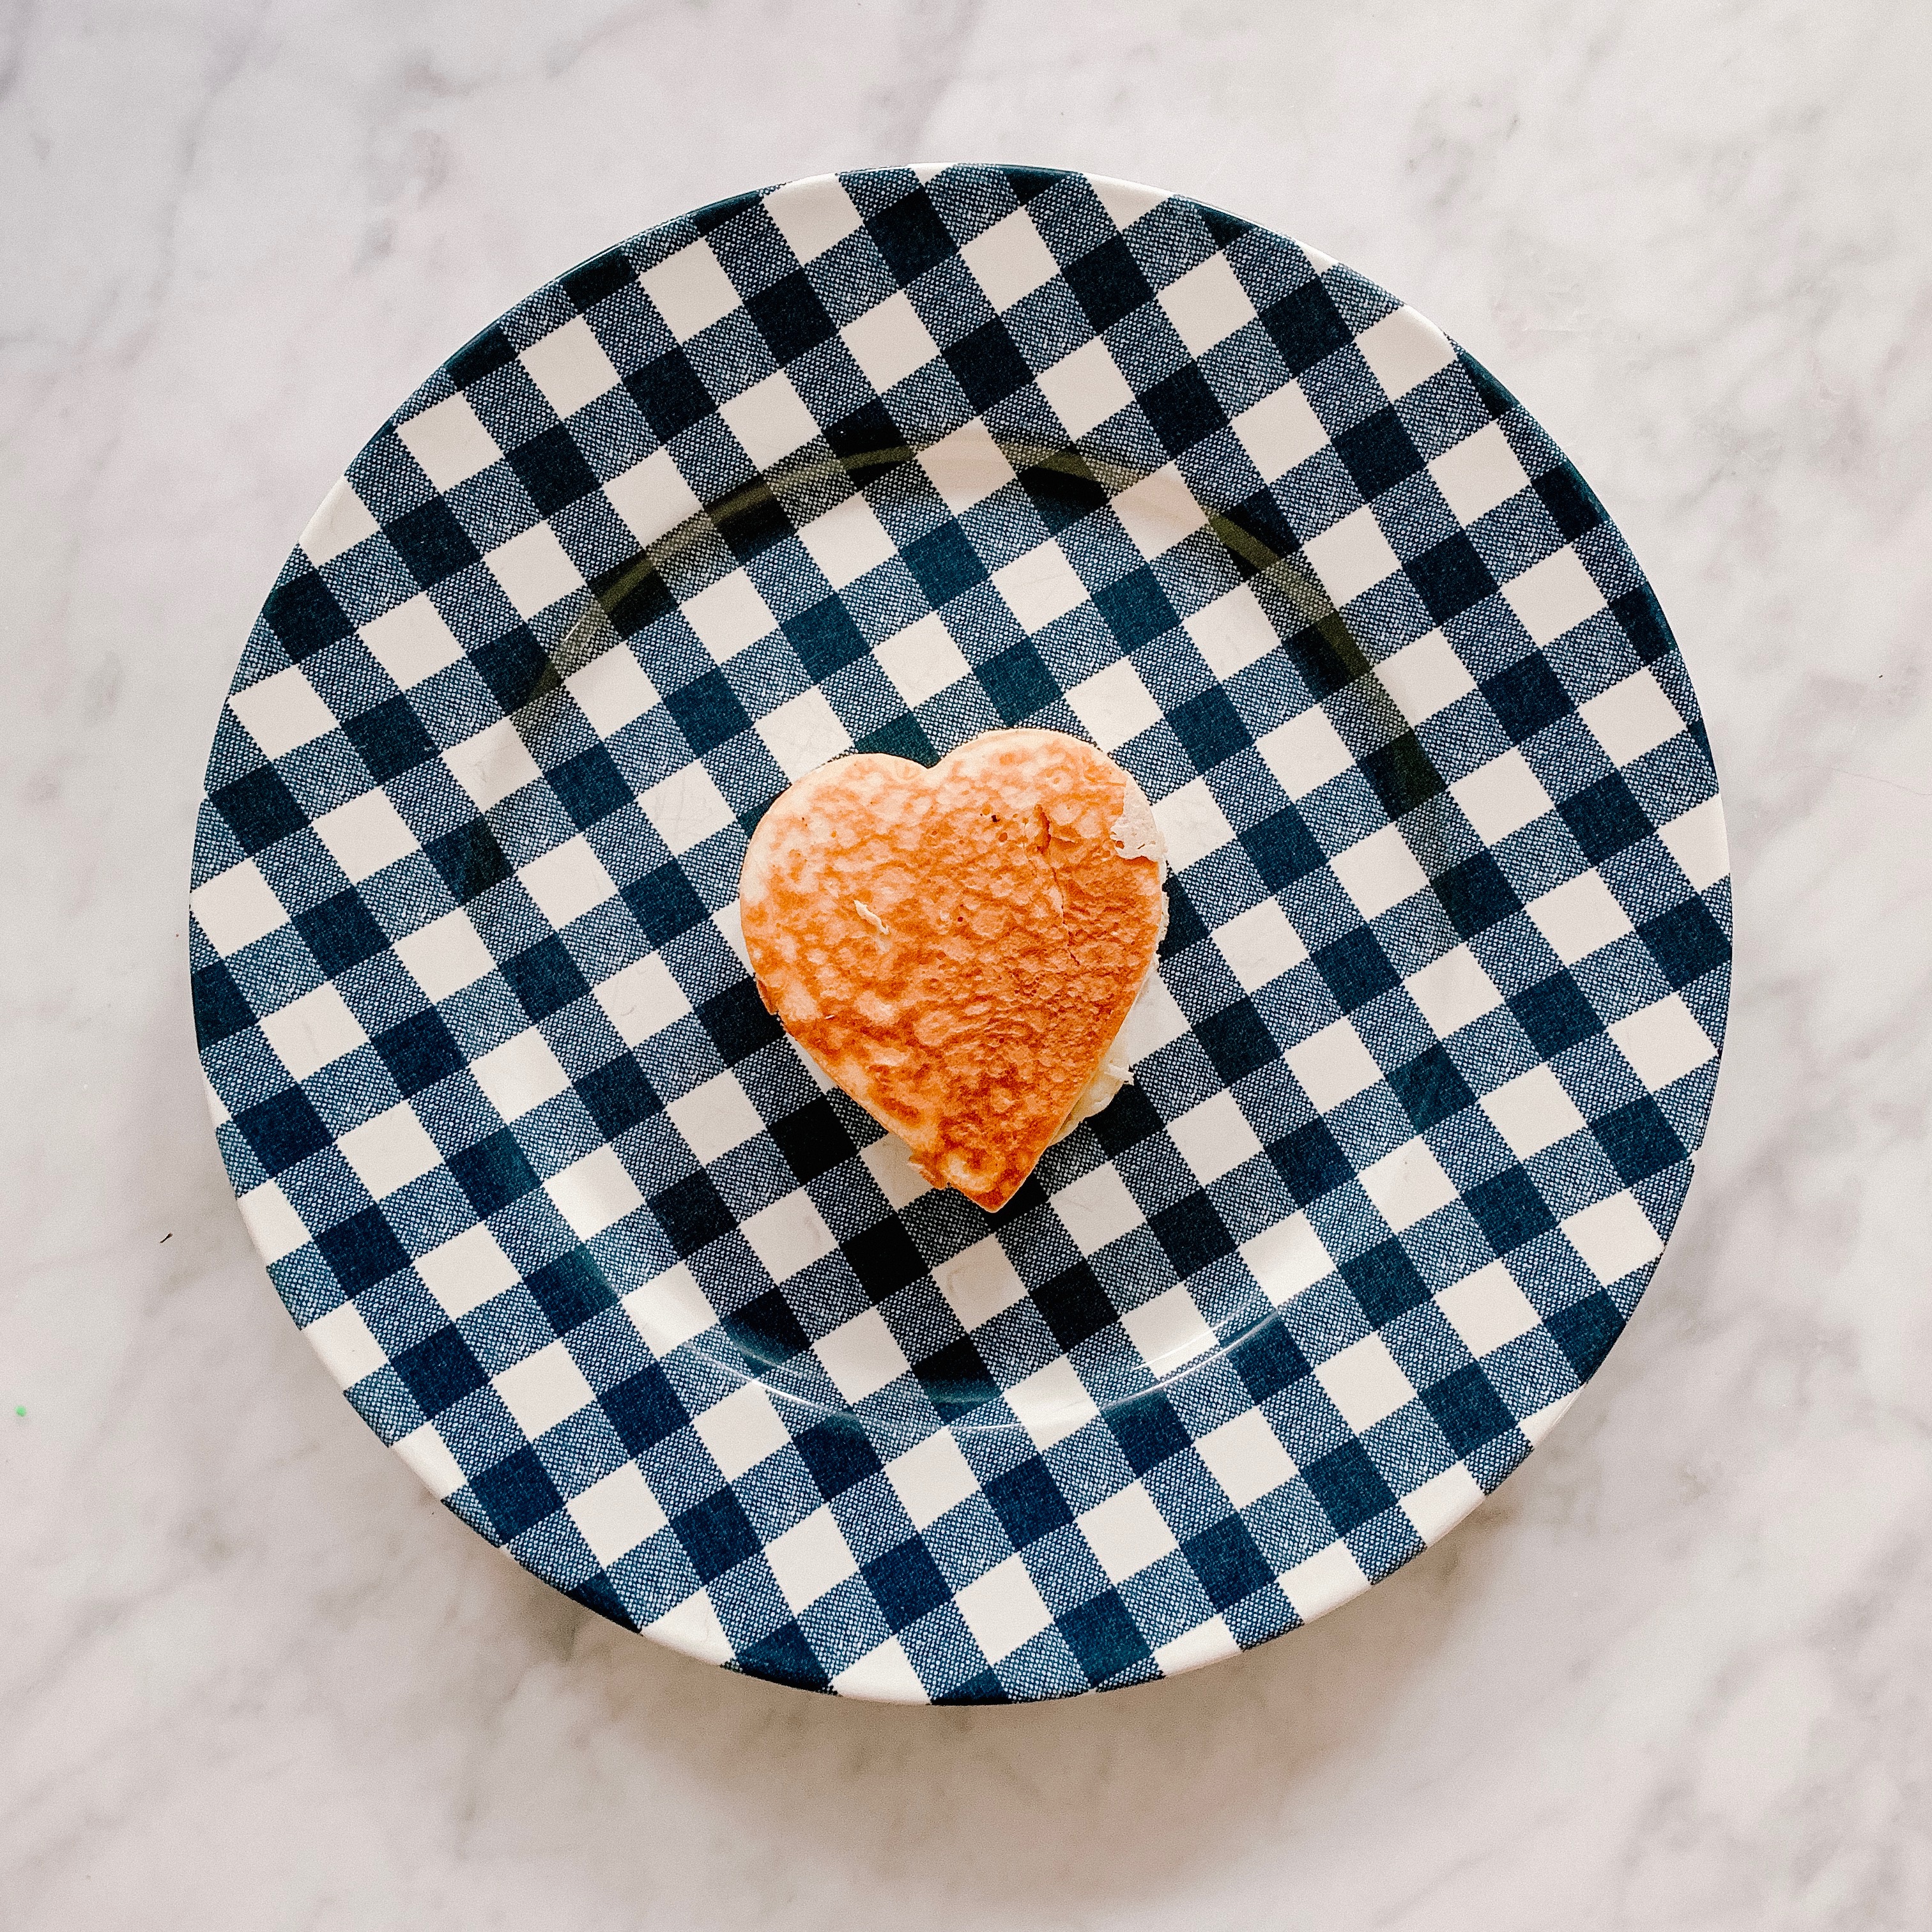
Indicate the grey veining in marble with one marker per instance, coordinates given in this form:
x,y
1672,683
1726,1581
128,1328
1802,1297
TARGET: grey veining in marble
x,y
1672,1676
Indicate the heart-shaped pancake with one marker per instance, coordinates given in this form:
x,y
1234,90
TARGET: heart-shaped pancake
x,y
958,947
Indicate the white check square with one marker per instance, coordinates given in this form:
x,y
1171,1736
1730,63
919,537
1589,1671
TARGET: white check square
x,y
690,290
521,1074
1615,1237
449,442
1487,1309
570,367
567,881
390,1151
670,1310
365,835
789,1235
1245,1457
1051,1403
1205,1644
1579,918
348,1350
1281,430
1663,1042
1439,1504
493,764
1305,753
309,1032
612,690
714,1118
1334,1065
1554,596
741,1431
1351,556
1502,797
1364,1383
1040,587
1326,1579
769,420
693,1627
1537,1425
465,1273
1232,632
885,1674
273,1224
929,1479
1097,1208
593,1193
813,215
1453,991
1170,1331
1408,1185
282,711
810,1558
687,808
922,660
424,1452
343,522
1152,1021
643,1000
1126,1532
412,642
979,1282
847,540
889,1161
861,1356
1403,349
237,907
1425,676
1287,1257
1113,705
535,570
1125,202
1214,1138
1003,1610
1379,871
652,497
1697,841
1207,305
1009,260
544,1389
728,615
889,341
803,734
1260,945
1479,472
1085,389
1158,511
967,467
616,1515
1632,717
1532,1112
1193,823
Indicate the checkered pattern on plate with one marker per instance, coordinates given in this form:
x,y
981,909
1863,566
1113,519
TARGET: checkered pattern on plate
x,y
886,460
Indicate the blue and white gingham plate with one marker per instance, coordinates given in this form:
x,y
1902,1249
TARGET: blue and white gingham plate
x,y
885,461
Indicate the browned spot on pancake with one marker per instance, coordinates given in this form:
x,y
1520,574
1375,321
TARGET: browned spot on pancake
x,y
957,947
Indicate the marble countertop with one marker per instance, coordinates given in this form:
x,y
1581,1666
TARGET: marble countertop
x,y
1673,1674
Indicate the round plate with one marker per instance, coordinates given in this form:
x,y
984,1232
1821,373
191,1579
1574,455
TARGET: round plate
x,y
884,461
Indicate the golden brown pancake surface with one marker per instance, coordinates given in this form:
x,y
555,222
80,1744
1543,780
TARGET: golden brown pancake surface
x,y
958,947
